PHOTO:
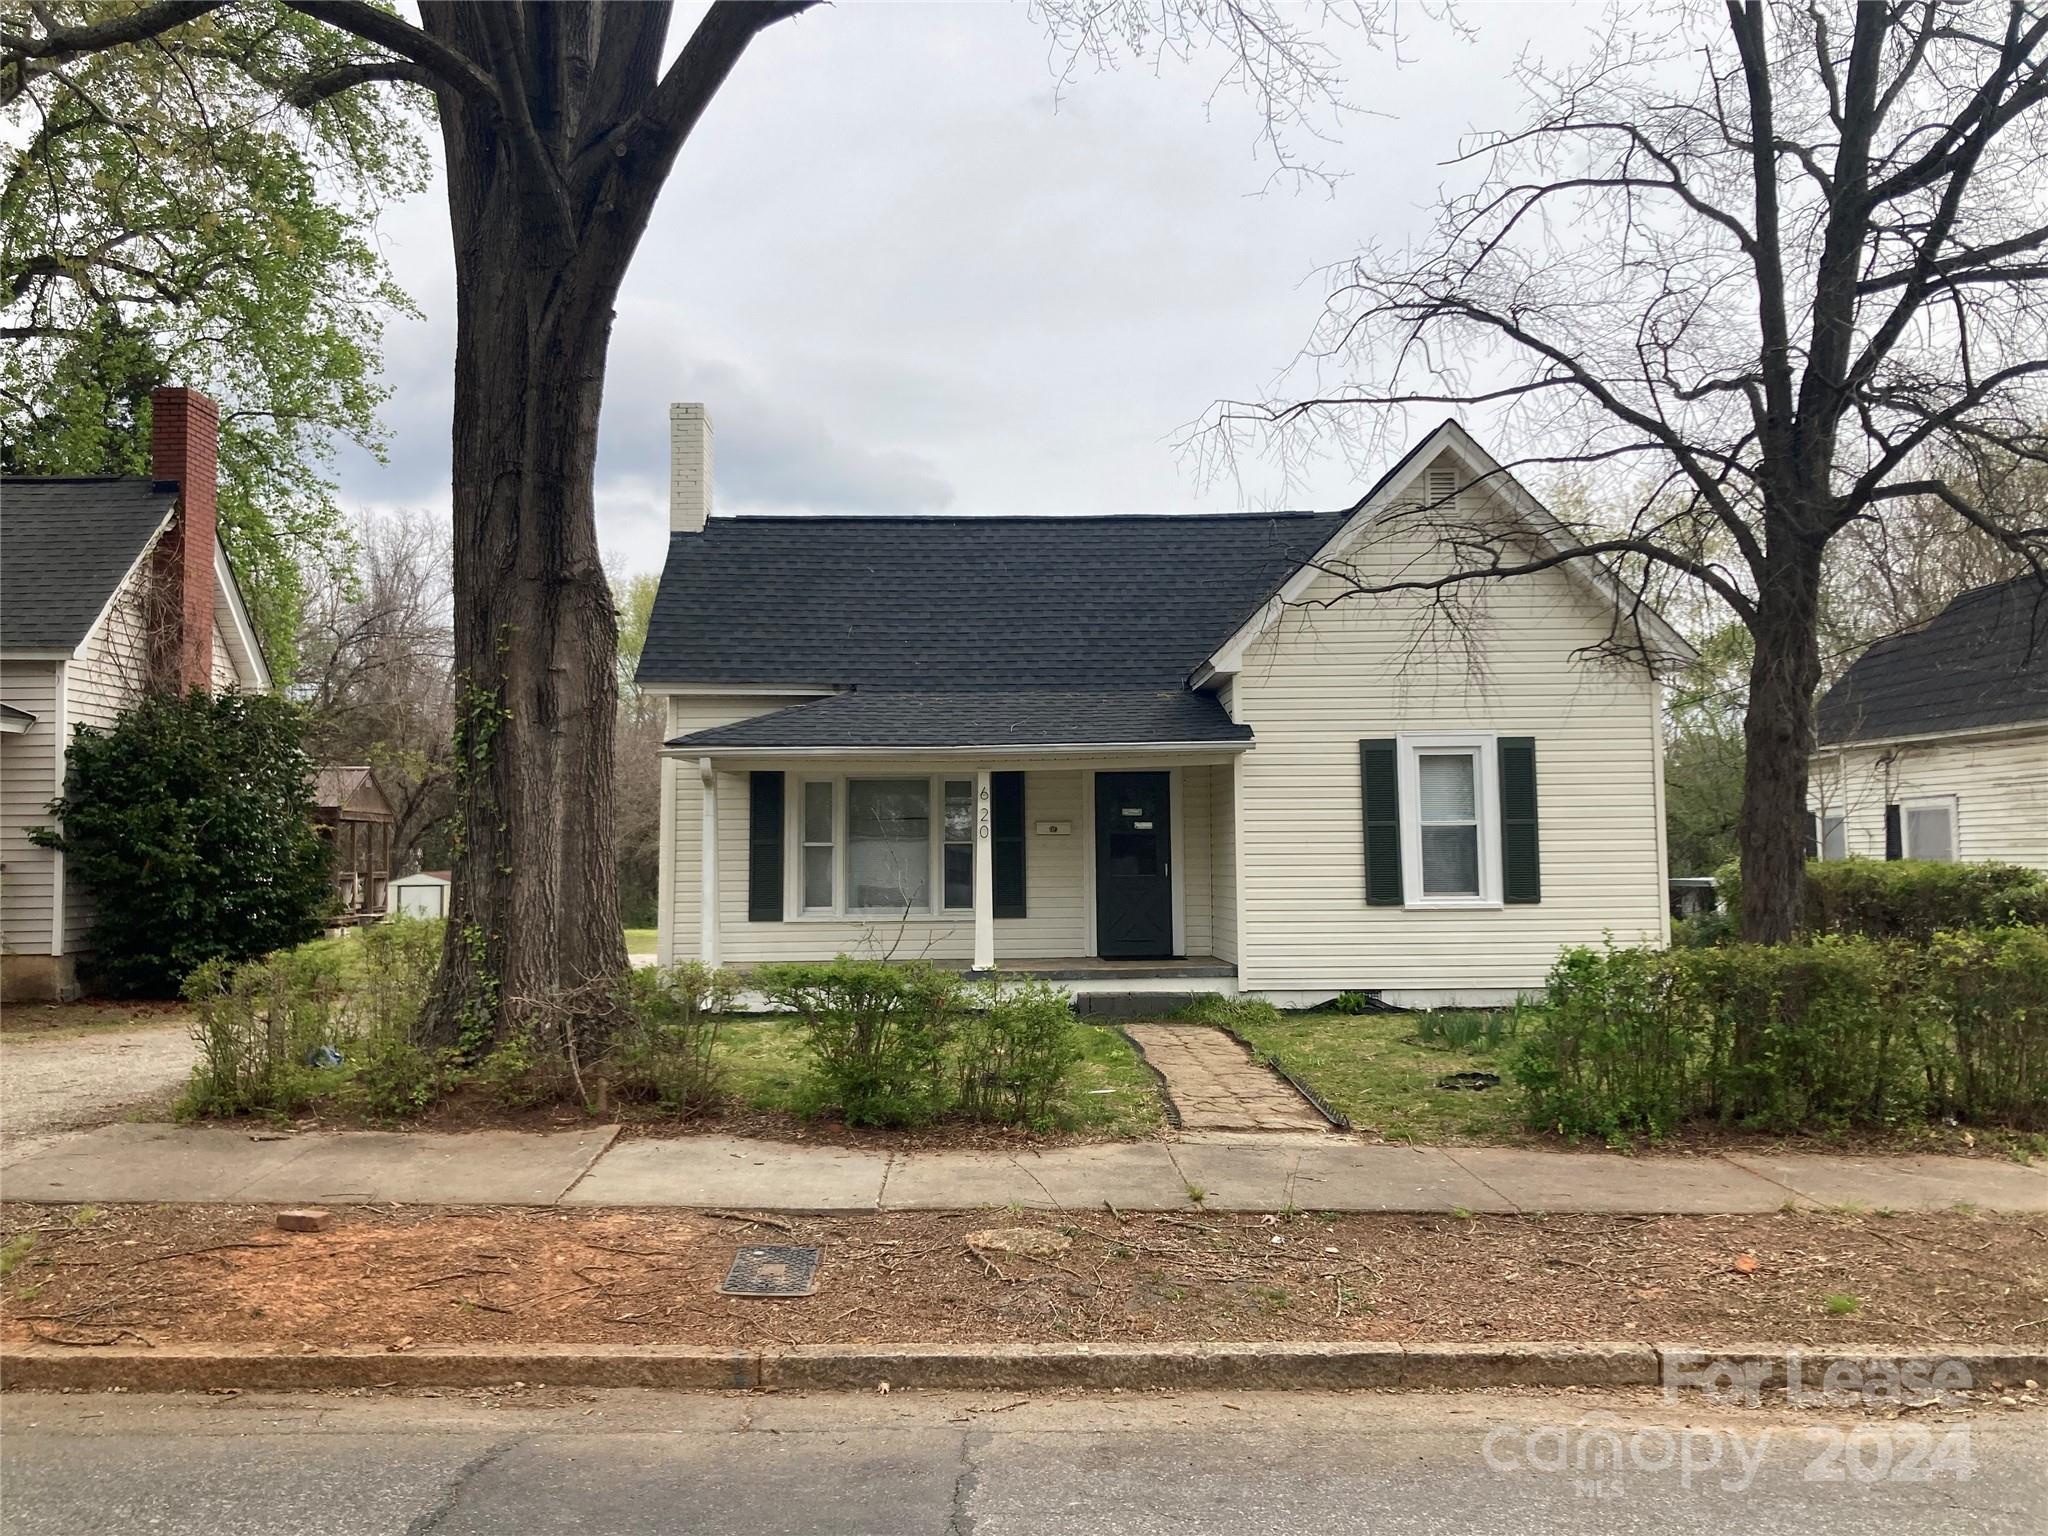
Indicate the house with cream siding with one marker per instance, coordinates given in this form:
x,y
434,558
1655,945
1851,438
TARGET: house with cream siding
x,y
109,587
1934,744
1153,754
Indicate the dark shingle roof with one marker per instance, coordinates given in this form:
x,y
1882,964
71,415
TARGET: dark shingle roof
x,y
1982,662
958,603
987,717
65,544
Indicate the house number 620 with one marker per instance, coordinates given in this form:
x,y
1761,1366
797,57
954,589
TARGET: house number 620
x,y
981,815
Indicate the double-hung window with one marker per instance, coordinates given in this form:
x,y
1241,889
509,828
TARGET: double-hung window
x,y
874,847
820,856
1930,828
1450,820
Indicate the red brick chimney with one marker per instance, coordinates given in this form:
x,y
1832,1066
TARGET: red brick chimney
x,y
184,445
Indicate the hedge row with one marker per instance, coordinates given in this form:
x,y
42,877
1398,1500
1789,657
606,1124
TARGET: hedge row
x,y
1908,898
1840,1032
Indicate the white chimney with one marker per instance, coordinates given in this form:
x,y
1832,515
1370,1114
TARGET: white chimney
x,y
689,467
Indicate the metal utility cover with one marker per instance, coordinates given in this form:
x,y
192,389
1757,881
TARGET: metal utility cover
x,y
772,1271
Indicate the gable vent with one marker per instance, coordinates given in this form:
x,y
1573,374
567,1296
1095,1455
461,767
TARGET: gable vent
x,y
1443,485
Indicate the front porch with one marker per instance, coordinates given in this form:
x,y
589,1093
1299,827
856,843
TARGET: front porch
x,y
1105,873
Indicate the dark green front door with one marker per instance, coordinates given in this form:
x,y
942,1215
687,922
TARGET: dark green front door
x,y
1133,866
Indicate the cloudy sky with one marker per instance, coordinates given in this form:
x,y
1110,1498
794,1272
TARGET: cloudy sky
x,y
906,274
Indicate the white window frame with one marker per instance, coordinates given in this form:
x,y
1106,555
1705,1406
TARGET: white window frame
x,y
1931,803
804,844
935,911
1483,746
1820,835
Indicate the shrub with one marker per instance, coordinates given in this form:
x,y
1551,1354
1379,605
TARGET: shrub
x,y
1235,1013
1842,1031
1613,1052
1993,988
395,1078
877,1033
1013,1050
1355,1002
191,823
1909,898
272,1034
399,959
666,1050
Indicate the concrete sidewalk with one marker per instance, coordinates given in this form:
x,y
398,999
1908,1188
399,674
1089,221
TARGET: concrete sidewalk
x,y
120,1163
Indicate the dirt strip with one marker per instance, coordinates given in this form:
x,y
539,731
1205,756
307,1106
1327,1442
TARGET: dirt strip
x,y
411,1277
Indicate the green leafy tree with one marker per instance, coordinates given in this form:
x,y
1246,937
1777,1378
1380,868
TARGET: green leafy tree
x,y
164,222
190,822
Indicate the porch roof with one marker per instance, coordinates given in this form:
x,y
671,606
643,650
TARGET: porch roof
x,y
994,719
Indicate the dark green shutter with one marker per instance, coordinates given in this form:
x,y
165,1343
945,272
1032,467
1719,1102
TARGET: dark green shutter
x,y
1894,834
1381,790
1007,828
1812,836
1521,865
764,847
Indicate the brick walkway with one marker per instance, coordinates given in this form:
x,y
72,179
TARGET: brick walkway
x,y
1216,1085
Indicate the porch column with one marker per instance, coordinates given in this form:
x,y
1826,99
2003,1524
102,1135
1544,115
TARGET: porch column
x,y
707,888
984,873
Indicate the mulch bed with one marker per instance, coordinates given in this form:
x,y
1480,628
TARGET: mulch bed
x,y
409,1276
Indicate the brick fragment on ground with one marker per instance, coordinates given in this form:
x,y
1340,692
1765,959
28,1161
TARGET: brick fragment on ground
x,y
304,1220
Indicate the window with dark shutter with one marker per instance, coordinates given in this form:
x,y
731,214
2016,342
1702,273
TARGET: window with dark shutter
x,y
1380,789
1521,872
764,847
1894,834
1007,827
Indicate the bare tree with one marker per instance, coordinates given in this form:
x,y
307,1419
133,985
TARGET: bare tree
x,y
377,670
1763,274
559,127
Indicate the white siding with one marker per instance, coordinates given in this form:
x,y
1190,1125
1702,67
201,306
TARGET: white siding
x,y
110,675
1322,679
2000,786
1223,878
224,676
28,780
1198,858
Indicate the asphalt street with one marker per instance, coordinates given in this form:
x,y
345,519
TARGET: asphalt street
x,y
979,1465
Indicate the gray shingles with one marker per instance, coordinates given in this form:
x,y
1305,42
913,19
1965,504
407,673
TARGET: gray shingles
x,y
988,717
1982,662
960,603
65,544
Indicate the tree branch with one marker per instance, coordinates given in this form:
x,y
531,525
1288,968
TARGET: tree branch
x,y
386,30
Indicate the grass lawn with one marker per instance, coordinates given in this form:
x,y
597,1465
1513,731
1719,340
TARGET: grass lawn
x,y
640,941
1111,1095
1369,1068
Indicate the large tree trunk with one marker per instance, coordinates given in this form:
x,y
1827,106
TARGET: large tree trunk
x,y
534,918
1778,737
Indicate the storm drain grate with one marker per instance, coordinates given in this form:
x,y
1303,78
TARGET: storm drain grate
x,y
772,1272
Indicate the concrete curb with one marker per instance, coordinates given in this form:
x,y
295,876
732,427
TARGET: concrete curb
x,y
1000,1367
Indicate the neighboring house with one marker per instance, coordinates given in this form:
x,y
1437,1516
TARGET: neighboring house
x,y
109,587
1133,754
424,894
356,821
1934,745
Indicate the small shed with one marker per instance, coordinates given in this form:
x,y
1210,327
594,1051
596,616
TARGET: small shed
x,y
358,822
424,894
